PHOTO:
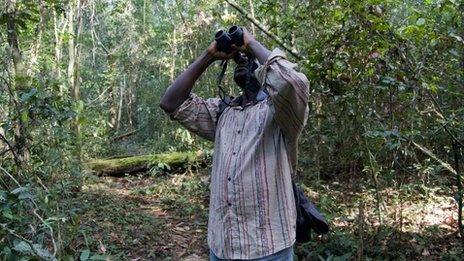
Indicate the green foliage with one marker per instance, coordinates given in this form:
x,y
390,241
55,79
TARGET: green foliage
x,y
385,75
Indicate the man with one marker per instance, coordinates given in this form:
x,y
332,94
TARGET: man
x,y
252,212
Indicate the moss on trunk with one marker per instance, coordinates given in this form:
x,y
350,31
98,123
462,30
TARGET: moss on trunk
x,y
121,166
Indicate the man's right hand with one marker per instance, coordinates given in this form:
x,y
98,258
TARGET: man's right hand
x,y
252,46
180,89
218,55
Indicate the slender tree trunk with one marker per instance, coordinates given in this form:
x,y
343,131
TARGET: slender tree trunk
x,y
130,101
57,48
144,13
457,157
174,54
112,112
121,99
60,26
33,59
18,84
74,15
459,146
92,32
252,13
71,45
360,251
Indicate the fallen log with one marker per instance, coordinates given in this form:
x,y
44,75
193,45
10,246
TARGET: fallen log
x,y
134,164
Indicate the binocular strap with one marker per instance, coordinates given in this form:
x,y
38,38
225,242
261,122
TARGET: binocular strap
x,y
221,92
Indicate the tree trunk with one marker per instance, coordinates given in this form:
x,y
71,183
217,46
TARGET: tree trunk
x,y
34,55
60,26
18,85
112,112
174,54
135,164
457,157
75,15
121,99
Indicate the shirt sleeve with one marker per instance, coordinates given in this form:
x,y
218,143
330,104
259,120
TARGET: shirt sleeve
x,y
289,93
198,115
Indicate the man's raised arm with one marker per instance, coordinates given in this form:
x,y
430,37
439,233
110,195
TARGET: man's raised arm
x,y
288,88
180,89
196,114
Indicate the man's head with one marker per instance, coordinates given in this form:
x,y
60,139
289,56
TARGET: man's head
x,y
244,72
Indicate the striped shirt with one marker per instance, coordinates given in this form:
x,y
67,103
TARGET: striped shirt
x,y
252,210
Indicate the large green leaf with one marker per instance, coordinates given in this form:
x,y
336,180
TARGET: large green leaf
x,y
22,247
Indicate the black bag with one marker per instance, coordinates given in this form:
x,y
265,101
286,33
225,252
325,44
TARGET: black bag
x,y
308,217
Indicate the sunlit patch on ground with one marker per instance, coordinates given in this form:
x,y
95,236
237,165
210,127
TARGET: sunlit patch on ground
x,y
417,222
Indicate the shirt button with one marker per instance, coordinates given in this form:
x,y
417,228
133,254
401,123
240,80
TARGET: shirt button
x,y
229,179
233,153
239,132
229,204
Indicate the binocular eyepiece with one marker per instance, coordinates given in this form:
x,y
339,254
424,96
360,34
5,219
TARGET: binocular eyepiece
x,y
225,39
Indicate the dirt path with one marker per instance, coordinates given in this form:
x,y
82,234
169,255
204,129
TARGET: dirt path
x,y
164,217
147,218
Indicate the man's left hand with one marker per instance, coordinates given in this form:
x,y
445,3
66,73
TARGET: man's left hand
x,y
247,39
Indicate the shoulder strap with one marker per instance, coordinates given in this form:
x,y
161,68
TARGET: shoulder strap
x,y
223,104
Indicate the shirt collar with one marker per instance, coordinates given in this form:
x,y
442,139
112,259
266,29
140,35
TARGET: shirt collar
x,y
261,96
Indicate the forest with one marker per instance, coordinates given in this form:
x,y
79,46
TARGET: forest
x,y
91,168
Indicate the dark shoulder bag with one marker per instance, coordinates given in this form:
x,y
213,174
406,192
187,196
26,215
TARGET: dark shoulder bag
x,y
308,217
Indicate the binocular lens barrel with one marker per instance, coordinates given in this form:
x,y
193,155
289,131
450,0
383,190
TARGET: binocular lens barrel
x,y
225,39
236,35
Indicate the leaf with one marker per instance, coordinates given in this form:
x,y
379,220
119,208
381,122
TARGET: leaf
x,y
22,192
24,116
21,24
3,196
420,21
28,95
22,247
7,213
3,19
19,190
25,195
387,81
6,253
42,252
85,254
457,37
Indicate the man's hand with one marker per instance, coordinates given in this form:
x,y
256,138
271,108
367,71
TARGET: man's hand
x,y
218,55
253,47
180,89
247,39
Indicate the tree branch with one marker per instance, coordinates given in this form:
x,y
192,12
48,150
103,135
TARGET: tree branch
x,y
442,115
433,156
12,149
264,29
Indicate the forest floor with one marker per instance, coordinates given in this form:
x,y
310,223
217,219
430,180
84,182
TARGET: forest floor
x,y
164,217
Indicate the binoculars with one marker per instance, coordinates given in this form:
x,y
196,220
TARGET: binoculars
x,y
225,39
